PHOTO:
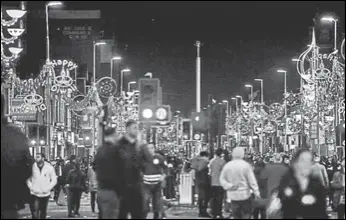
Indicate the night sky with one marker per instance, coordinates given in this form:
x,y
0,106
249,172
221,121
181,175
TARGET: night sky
x,y
241,41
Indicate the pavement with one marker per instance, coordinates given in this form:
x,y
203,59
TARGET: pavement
x,y
175,212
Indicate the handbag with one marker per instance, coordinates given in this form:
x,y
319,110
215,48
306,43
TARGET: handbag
x,y
61,199
274,207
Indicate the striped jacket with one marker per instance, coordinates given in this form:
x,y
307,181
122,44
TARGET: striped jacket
x,y
154,169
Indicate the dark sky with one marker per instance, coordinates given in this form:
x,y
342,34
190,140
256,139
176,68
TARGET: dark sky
x,y
241,41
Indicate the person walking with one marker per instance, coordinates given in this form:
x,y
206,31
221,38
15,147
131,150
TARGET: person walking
x,y
118,166
319,171
202,182
300,195
154,172
76,184
92,186
338,185
238,179
59,167
215,167
41,183
16,168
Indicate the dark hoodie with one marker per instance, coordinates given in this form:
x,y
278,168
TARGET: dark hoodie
x,y
118,165
16,165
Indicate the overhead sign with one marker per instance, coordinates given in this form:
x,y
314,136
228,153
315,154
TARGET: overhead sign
x,y
78,32
22,112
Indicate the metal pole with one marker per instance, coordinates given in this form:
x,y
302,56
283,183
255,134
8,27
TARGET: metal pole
x,y
47,36
262,119
121,81
252,112
335,34
94,62
111,68
198,78
285,91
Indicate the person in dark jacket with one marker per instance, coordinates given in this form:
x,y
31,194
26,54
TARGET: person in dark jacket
x,y
302,195
67,168
200,165
76,183
118,166
259,210
16,168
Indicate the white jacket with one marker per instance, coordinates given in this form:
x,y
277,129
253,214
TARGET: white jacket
x,y
42,181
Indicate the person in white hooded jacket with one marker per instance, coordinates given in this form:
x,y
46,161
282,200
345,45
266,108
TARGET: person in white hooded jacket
x,y
41,183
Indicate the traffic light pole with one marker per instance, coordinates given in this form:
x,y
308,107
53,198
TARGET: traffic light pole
x,y
198,78
210,138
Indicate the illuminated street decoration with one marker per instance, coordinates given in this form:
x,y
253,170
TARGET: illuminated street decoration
x,y
35,101
106,87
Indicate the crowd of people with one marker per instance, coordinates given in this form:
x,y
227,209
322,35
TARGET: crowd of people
x,y
269,186
127,174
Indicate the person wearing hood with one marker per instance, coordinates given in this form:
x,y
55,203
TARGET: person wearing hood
x,y
238,179
202,181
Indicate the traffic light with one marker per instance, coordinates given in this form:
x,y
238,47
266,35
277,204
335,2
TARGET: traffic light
x,y
149,91
199,125
87,137
186,125
154,113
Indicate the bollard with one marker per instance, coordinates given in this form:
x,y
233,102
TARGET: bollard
x,y
185,189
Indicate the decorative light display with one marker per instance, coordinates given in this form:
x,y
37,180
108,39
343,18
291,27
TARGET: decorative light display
x,y
35,101
106,87
63,81
14,34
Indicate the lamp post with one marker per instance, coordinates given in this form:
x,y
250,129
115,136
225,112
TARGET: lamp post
x,y
227,107
331,19
285,92
114,58
198,77
95,44
129,85
49,4
236,104
251,106
262,119
122,78
240,111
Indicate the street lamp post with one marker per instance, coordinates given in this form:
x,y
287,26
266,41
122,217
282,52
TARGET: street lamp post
x,y
236,104
122,79
262,119
240,112
251,106
129,85
285,92
113,58
331,19
49,4
95,44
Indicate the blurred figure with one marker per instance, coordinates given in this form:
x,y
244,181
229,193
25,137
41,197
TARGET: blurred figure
x,y
273,173
300,194
154,172
331,169
41,183
110,175
338,185
259,209
215,167
238,178
319,171
16,168
76,184
92,186
59,167
202,181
